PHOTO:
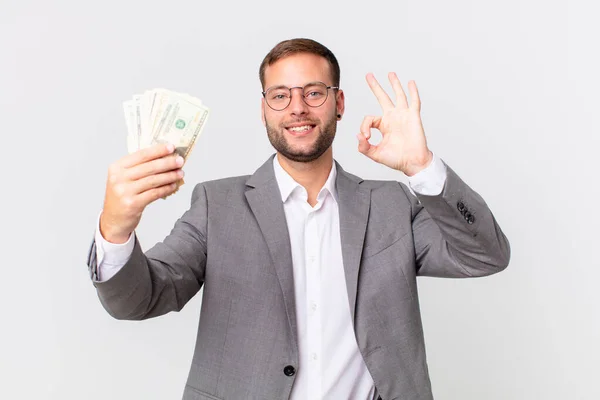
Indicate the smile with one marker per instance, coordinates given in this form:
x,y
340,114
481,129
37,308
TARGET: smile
x,y
302,130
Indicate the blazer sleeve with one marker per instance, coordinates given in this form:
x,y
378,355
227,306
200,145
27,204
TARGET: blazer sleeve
x,y
455,234
167,276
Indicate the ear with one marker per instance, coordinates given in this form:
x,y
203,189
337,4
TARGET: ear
x,y
262,111
340,103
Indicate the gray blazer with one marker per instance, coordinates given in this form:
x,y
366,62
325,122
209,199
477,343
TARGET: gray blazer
x,y
234,240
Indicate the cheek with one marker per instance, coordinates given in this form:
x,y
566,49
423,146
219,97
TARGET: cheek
x,y
326,115
271,120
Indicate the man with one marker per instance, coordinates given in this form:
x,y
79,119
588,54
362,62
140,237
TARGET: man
x,y
309,272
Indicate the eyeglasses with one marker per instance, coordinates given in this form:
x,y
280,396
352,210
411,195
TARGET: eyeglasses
x,y
314,94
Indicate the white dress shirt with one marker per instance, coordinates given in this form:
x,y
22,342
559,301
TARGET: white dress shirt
x,y
330,363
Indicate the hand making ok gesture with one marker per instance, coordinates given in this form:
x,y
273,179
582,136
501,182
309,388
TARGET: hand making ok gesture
x,y
403,145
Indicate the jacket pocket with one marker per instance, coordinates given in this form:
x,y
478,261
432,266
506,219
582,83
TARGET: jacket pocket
x,y
191,393
381,245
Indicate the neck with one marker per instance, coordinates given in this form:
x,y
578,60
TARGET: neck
x,y
311,175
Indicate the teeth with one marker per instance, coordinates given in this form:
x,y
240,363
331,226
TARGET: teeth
x,y
300,128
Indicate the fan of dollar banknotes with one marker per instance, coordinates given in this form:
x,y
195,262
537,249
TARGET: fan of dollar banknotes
x,y
164,116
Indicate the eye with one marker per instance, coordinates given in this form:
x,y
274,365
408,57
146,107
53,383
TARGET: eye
x,y
314,91
279,96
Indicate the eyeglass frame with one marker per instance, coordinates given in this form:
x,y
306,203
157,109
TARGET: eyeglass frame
x,y
264,93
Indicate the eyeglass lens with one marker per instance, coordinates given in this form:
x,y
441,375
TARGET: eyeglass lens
x,y
314,95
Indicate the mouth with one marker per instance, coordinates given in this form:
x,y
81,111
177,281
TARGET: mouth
x,y
300,130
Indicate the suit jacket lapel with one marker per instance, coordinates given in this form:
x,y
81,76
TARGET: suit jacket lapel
x,y
354,203
265,202
264,198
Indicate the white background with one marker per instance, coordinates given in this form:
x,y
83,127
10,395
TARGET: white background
x,y
510,102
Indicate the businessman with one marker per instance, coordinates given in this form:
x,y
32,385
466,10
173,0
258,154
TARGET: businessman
x,y
309,272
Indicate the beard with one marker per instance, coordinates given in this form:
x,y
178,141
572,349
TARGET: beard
x,y
321,144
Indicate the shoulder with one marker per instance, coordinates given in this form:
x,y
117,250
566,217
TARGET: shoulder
x,y
385,193
378,185
390,193
225,183
220,190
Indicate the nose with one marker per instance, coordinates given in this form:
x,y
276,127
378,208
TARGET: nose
x,y
297,105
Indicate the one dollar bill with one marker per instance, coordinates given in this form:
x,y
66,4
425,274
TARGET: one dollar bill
x,y
164,116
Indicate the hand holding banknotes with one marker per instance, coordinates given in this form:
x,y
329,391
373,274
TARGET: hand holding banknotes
x,y
135,181
162,129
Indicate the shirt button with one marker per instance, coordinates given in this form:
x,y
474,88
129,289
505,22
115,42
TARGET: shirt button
x,y
313,306
314,356
289,370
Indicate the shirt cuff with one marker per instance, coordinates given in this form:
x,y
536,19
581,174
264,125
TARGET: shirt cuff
x,y
429,181
111,256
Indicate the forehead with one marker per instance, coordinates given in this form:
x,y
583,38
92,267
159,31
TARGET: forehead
x,y
298,70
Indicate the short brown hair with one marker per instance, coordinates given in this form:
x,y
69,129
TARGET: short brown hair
x,y
297,46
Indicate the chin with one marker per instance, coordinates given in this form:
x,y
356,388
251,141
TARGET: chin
x,y
301,154
302,144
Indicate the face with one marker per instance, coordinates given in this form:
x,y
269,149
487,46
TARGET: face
x,y
300,132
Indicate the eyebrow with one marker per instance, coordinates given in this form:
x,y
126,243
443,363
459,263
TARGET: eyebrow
x,y
287,87
276,87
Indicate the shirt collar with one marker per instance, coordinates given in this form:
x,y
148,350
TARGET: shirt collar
x,y
287,184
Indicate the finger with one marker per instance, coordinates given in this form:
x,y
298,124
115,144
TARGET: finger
x,y
415,99
158,180
147,154
369,122
365,126
164,164
364,146
400,95
382,97
160,192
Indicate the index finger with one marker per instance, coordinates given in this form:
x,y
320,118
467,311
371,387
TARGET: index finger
x,y
382,97
147,154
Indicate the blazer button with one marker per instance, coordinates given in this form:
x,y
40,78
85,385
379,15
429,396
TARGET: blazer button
x,y
289,370
461,206
470,219
468,215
